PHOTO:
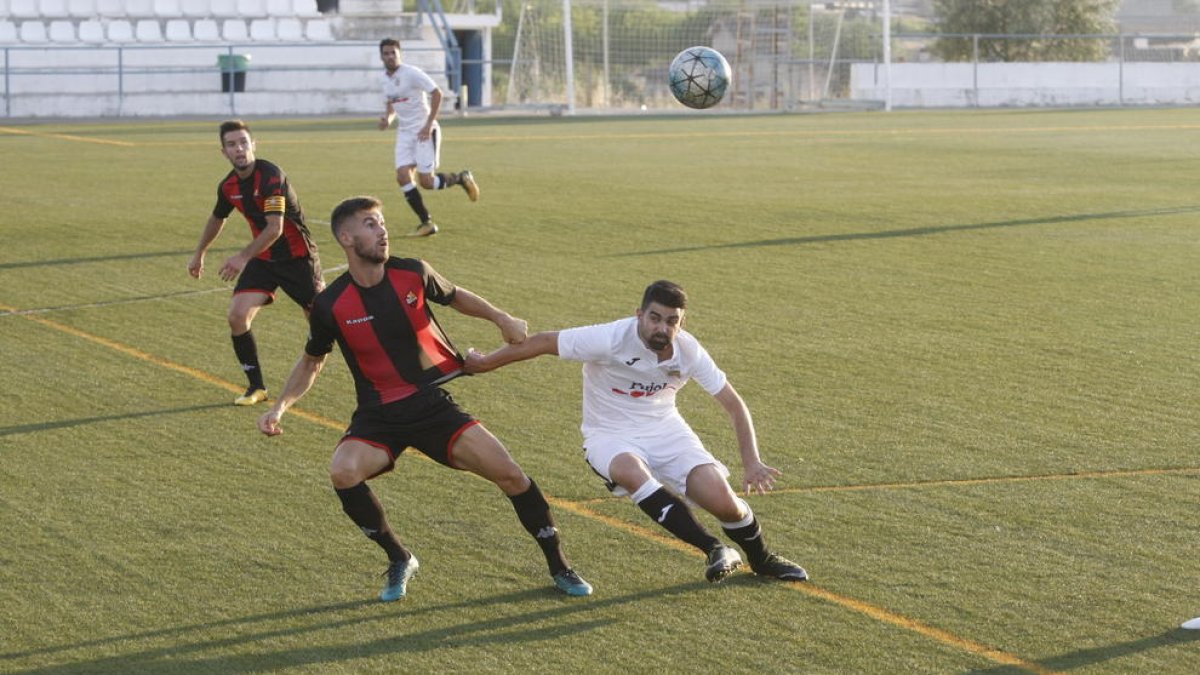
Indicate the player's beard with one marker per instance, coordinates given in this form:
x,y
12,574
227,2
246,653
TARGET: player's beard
x,y
658,342
371,253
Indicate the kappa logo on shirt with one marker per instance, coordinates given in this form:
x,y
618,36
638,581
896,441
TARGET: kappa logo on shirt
x,y
411,299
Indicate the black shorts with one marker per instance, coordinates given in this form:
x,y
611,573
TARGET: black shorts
x,y
300,278
429,421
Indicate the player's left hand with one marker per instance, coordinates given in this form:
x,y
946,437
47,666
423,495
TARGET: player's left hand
x,y
473,362
760,478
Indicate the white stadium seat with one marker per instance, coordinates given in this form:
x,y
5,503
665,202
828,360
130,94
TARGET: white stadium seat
x,y
148,30
234,30
278,8
8,32
250,9
262,30
197,8
81,9
318,30
52,9
120,30
112,8
289,29
34,32
24,9
178,30
91,32
167,9
206,30
61,31
137,9
223,8
305,8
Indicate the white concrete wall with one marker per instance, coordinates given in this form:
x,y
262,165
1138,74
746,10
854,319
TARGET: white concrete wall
x,y
920,85
305,79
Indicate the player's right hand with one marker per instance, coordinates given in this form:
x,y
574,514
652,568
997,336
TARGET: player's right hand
x,y
196,266
268,423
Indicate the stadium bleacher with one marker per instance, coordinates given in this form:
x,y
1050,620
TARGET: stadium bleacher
x,y
155,22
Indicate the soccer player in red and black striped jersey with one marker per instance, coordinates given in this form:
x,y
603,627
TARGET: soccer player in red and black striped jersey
x,y
379,314
280,255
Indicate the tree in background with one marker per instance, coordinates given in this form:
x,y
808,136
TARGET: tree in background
x,y
1024,17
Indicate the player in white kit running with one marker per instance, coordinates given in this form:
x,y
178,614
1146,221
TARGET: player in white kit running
x,y
413,99
635,438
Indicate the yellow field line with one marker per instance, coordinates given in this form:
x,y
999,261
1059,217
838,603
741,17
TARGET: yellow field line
x,y
872,611
65,137
1122,473
159,361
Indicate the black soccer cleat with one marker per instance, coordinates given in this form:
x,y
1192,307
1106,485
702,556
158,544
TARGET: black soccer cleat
x,y
722,561
778,567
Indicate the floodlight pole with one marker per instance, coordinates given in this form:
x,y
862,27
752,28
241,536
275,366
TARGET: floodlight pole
x,y
570,57
887,55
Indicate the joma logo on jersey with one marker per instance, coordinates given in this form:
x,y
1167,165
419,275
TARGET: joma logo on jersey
x,y
362,319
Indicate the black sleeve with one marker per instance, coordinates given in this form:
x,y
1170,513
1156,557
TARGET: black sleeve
x,y
321,331
223,207
437,288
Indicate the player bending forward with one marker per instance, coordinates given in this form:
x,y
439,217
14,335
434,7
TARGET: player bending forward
x,y
635,438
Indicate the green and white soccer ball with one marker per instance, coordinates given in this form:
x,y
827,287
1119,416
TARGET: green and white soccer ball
x,y
699,76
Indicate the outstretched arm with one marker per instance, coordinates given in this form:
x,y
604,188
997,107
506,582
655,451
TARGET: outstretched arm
x,y
537,345
512,329
757,476
304,374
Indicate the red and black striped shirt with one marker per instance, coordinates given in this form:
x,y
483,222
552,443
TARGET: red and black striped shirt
x,y
266,191
387,333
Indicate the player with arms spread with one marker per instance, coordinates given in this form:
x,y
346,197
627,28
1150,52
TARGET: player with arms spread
x,y
635,438
378,313
281,253
414,99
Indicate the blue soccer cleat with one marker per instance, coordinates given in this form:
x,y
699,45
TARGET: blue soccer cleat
x,y
398,574
569,582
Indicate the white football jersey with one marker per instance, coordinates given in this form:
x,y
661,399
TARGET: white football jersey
x,y
626,390
408,91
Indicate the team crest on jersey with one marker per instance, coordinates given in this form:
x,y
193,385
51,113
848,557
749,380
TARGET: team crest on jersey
x,y
411,299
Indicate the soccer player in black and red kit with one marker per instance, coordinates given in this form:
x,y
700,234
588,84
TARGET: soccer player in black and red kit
x,y
281,254
379,314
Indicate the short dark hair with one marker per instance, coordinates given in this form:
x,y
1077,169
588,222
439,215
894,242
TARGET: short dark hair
x,y
233,125
349,207
665,293
389,42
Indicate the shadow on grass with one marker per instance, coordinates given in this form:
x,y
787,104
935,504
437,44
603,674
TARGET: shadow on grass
x,y
1094,655
919,231
84,421
397,636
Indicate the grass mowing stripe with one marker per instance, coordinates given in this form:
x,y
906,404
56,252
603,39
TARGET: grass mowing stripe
x,y
1180,471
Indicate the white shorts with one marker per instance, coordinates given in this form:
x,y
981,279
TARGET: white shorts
x,y
425,155
671,457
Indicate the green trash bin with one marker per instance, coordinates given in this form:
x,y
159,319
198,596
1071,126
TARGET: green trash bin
x,y
233,69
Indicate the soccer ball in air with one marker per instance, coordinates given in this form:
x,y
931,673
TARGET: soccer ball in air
x,y
699,77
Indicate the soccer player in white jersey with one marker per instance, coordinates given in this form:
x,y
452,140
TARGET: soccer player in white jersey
x,y
413,99
635,438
